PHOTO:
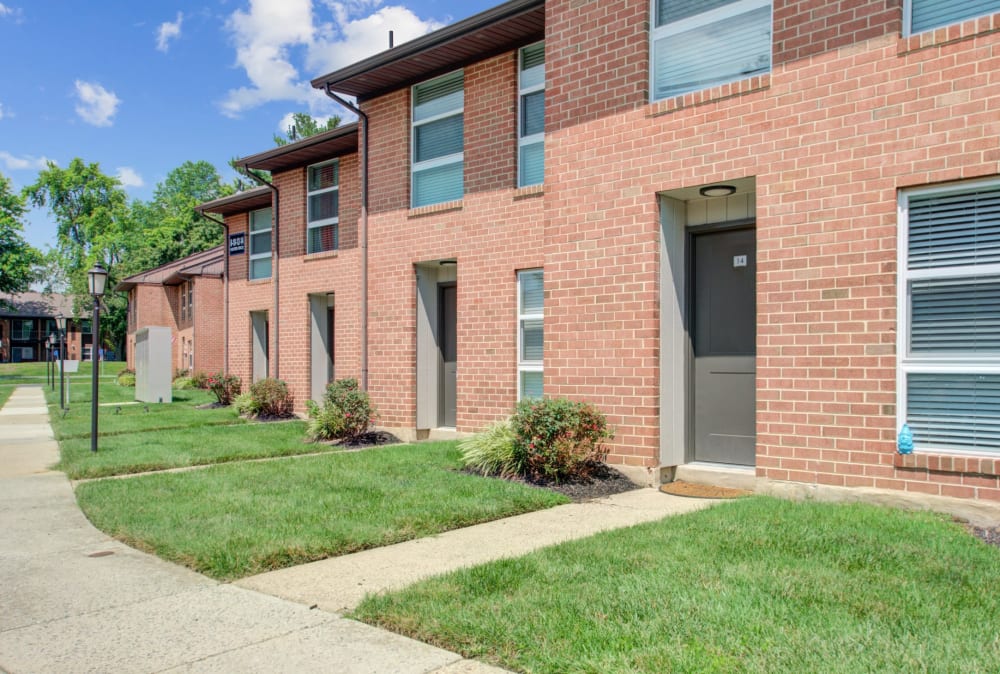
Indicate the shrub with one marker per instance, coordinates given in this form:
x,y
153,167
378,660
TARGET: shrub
x,y
224,387
346,412
180,372
182,383
126,377
558,439
270,399
200,380
492,451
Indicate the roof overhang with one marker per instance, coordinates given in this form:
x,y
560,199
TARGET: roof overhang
x,y
241,202
327,145
495,31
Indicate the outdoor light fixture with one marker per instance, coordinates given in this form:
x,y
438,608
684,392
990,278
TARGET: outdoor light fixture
x,y
51,367
448,263
716,190
96,278
61,329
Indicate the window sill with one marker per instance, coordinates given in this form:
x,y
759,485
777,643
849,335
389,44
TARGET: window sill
x,y
258,281
945,35
720,93
949,463
529,191
322,255
435,208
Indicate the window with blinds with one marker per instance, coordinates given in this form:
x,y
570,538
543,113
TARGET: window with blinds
x,y
950,316
530,339
697,44
438,140
323,207
531,117
924,15
260,243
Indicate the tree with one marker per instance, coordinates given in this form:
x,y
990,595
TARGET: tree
x,y
169,226
93,226
304,125
17,258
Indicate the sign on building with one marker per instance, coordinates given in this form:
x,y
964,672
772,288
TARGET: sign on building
x,y
237,243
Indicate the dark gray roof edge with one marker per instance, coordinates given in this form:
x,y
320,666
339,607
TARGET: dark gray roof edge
x,y
232,199
318,139
438,37
180,262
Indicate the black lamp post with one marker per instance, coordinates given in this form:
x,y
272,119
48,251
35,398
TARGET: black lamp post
x,y
51,365
96,278
61,328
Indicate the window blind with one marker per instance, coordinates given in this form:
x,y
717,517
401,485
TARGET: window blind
x,y
927,14
955,410
955,315
954,229
437,185
734,47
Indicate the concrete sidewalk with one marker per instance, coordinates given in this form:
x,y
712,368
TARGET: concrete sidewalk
x,y
76,600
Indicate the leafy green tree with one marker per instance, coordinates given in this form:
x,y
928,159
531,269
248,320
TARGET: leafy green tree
x,y
304,125
169,226
94,225
18,259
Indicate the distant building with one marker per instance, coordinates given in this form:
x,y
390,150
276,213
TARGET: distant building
x,y
27,320
186,296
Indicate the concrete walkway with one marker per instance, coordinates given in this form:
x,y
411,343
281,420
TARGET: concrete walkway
x,y
74,599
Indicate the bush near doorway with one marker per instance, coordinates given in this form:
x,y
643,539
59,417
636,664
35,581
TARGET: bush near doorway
x,y
346,412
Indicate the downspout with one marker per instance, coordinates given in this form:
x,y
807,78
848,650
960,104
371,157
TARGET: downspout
x,y
275,257
363,234
225,290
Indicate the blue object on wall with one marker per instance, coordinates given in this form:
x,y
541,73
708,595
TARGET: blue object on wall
x,y
905,442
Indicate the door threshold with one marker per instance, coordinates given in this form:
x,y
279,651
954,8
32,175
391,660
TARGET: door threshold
x,y
719,474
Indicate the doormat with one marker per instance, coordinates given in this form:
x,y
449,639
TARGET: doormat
x,y
682,488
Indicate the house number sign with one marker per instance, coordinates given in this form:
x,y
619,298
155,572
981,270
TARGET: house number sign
x,y
237,243
739,260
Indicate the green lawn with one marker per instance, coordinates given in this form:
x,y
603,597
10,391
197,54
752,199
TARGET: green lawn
x,y
139,452
758,585
236,520
35,373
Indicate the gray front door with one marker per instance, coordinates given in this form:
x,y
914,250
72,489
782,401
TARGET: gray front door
x,y
449,354
724,339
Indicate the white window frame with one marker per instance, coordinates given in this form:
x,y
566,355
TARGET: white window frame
x,y
527,365
908,19
906,362
454,158
310,223
522,92
251,232
696,21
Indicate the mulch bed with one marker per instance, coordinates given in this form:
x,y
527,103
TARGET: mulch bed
x,y
988,535
371,439
604,481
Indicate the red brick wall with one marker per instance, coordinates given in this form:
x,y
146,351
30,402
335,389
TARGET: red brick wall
x,y
209,317
830,135
300,275
493,232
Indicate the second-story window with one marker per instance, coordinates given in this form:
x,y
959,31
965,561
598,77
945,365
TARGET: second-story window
x,y
183,300
190,299
323,206
438,140
697,44
921,15
260,243
531,115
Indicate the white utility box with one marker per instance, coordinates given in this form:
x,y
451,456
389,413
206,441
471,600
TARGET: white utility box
x,y
153,358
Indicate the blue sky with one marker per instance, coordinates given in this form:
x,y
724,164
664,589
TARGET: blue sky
x,y
141,87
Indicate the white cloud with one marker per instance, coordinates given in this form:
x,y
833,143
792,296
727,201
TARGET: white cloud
x,y
8,12
168,31
26,162
277,37
97,105
129,177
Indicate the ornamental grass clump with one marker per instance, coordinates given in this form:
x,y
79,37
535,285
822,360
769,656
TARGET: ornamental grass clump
x,y
126,378
492,451
225,387
346,412
556,439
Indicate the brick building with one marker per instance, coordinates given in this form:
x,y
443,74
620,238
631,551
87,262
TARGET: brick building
x,y
759,234
293,290
186,296
28,319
